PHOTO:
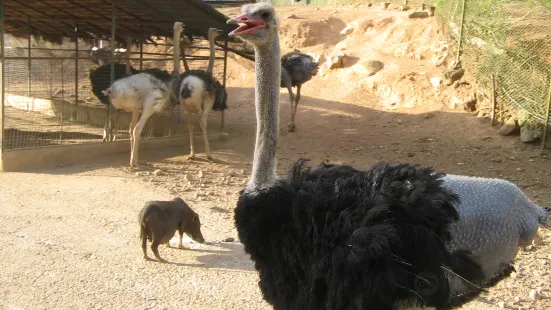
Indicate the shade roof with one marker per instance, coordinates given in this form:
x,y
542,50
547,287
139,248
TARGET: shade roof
x,y
55,19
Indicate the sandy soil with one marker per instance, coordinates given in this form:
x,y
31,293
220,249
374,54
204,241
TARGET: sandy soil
x,y
70,235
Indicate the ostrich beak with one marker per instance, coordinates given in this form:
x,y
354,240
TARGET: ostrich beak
x,y
250,24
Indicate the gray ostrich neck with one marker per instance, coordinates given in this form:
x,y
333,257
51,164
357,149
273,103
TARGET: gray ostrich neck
x,y
212,52
176,52
268,76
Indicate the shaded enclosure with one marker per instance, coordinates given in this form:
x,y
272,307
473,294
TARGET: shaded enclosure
x,y
48,49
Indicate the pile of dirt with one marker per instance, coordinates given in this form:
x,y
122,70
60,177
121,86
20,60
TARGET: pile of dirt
x,y
307,33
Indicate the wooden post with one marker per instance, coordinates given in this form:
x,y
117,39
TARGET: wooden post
x,y
3,71
74,113
141,49
110,135
460,33
546,125
29,88
493,99
222,116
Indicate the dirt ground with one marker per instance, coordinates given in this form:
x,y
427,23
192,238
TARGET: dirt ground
x,y
70,235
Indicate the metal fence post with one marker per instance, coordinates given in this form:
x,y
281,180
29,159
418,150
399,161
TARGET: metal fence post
x,y
74,113
222,116
546,124
3,69
494,101
460,32
112,65
29,80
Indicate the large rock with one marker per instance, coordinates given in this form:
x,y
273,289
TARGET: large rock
x,y
419,15
528,134
335,60
451,76
509,127
436,81
368,67
398,7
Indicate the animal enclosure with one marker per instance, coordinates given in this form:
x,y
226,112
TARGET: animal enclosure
x,y
49,100
48,52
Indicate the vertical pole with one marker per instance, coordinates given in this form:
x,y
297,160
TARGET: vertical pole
x,y
222,115
74,112
127,54
141,48
225,62
546,125
112,66
50,78
460,33
63,102
3,69
493,95
29,89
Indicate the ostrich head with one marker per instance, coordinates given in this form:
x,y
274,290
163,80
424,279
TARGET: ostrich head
x,y
215,33
258,23
178,28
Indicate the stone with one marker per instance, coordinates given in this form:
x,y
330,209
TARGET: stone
x,y
453,75
501,304
438,60
291,16
200,174
528,134
368,67
509,127
385,4
158,172
335,60
436,81
398,7
419,15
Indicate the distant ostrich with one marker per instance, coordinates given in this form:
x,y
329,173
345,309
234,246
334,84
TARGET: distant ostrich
x,y
333,237
296,69
146,94
100,79
200,93
102,55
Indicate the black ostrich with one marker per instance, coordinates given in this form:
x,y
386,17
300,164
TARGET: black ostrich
x,y
200,92
296,69
333,237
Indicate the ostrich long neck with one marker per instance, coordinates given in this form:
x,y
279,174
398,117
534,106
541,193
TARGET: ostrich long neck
x,y
212,51
268,76
176,51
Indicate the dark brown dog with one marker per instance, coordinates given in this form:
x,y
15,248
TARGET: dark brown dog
x,y
159,220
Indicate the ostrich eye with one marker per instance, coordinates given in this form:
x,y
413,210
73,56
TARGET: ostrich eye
x,y
265,15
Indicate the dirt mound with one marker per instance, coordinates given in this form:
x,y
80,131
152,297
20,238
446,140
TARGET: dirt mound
x,y
306,33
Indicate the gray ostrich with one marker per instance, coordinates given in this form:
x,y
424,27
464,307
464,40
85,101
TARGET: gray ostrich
x,y
296,69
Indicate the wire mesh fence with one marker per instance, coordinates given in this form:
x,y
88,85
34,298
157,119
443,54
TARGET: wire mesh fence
x,y
506,44
49,97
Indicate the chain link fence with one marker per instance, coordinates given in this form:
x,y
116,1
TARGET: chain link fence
x,y
49,99
506,47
